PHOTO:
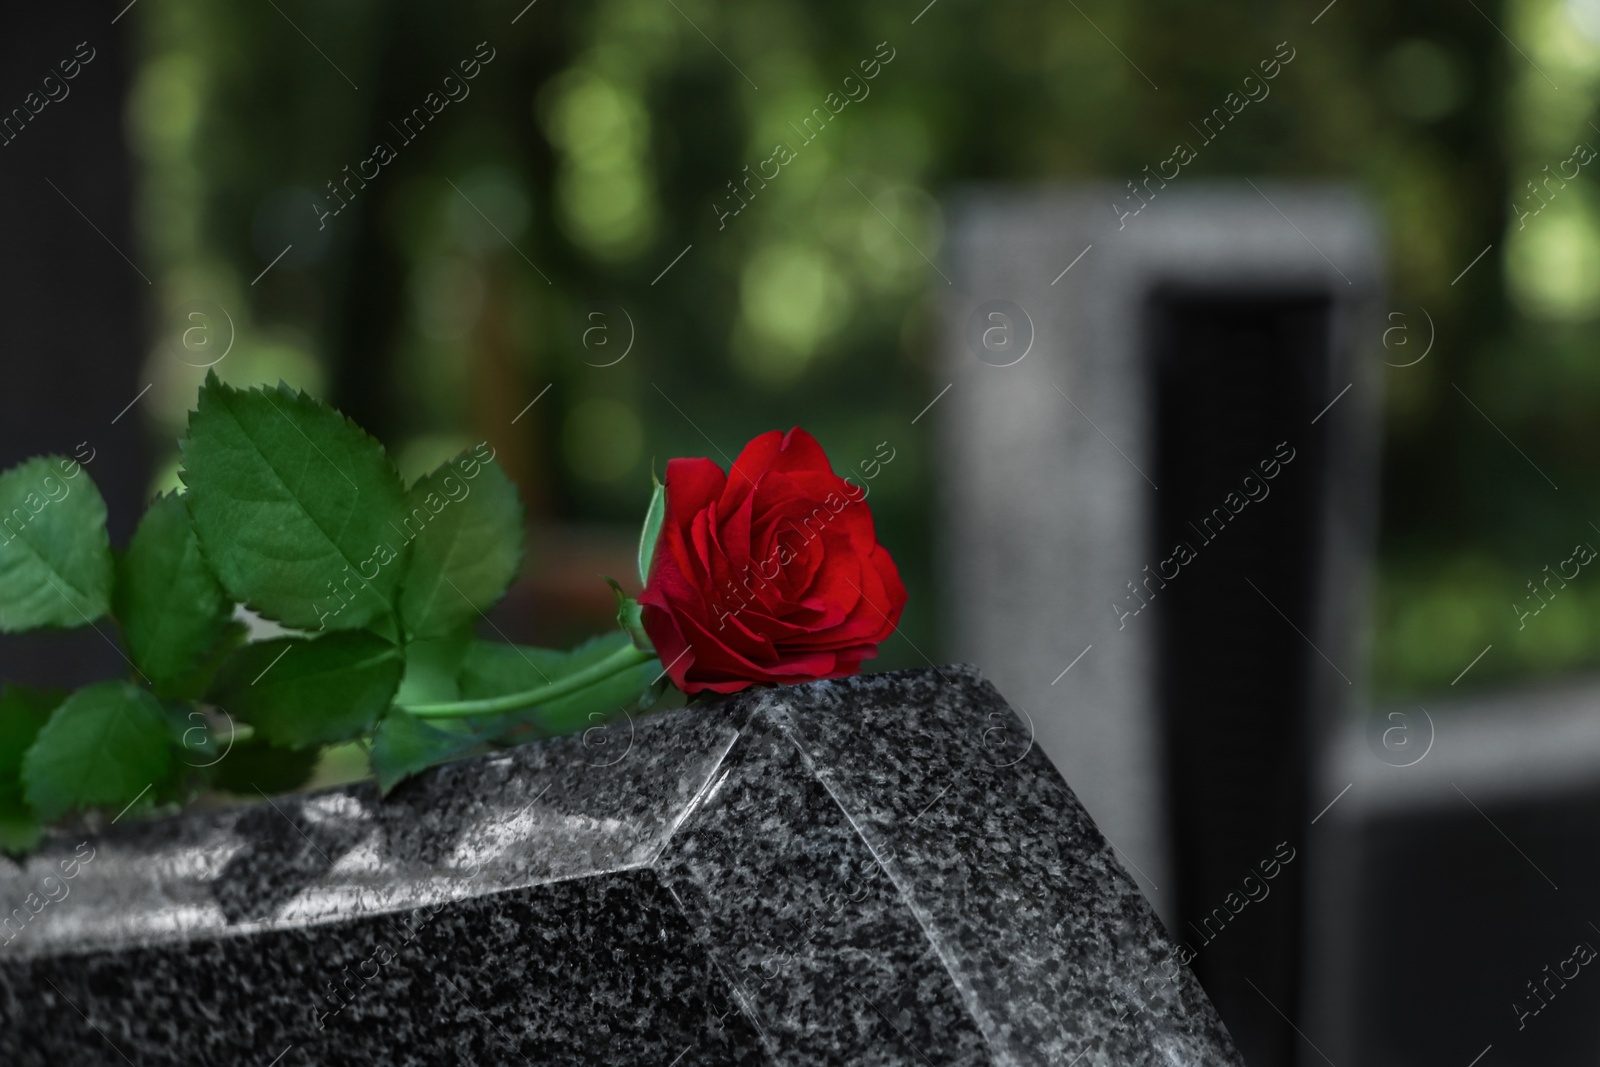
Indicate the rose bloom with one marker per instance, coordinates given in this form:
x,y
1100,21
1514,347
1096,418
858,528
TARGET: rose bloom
x,y
770,573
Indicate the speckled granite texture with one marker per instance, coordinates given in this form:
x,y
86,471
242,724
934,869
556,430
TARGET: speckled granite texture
x,y
882,870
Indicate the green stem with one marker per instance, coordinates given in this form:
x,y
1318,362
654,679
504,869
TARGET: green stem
x,y
622,659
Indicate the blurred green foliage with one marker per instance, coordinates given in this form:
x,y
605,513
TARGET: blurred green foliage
x,y
600,142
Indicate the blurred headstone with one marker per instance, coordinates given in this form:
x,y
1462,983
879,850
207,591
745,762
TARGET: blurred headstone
x,y
1454,893
1158,451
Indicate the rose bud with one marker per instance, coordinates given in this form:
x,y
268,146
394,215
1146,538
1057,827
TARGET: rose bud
x,y
770,573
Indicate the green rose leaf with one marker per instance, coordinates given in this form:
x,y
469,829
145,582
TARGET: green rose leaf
x,y
105,745
192,684
491,669
630,617
20,829
298,692
432,668
654,516
23,712
464,524
55,556
191,733
172,609
255,766
403,744
296,508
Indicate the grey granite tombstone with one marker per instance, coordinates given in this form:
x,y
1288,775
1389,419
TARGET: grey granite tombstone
x,y
1182,625
883,870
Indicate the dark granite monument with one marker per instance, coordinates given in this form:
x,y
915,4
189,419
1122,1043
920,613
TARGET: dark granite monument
x,y
883,870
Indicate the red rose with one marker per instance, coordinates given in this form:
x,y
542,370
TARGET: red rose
x,y
771,573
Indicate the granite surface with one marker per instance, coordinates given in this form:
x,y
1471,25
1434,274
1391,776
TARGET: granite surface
x,y
881,870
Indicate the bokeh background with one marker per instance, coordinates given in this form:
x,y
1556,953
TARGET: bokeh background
x,y
600,140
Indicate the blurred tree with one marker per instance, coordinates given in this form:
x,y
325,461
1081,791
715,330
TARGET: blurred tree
x,y
604,188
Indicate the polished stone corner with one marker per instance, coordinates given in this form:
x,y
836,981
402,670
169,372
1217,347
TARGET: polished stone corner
x,y
879,870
